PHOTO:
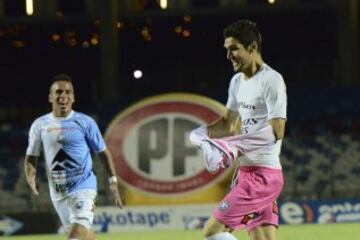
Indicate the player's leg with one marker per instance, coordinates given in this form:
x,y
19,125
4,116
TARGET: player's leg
x,y
212,227
79,232
81,207
264,232
225,217
213,230
63,213
264,226
90,235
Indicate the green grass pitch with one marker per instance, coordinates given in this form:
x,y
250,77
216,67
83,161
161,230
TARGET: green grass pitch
x,y
350,231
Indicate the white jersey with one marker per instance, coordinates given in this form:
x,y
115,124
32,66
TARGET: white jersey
x,y
257,100
221,152
66,144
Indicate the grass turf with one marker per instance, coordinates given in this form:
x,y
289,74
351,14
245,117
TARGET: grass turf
x,y
349,231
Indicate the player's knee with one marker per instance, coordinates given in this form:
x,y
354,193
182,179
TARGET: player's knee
x,y
270,232
207,232
90,235
212,227
264,232
77,231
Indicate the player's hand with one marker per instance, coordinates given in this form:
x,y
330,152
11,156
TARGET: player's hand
x,y
115,191
31,179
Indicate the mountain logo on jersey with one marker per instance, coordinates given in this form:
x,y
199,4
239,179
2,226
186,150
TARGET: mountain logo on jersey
x,y
62,161
151,148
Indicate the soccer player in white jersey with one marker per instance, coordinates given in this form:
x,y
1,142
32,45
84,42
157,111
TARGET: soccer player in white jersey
x,y
257,98
67,138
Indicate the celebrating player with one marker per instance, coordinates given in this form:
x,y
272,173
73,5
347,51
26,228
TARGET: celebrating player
x,y
66,138
257,100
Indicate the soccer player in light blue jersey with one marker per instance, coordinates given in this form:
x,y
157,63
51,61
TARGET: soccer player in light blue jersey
x,y
67,138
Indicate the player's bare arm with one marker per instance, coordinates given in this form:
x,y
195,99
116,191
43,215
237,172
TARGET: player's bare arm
x,y
106,157
278,125
228,124
30,172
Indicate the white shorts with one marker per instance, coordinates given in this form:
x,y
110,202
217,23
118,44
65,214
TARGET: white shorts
x,y
77,208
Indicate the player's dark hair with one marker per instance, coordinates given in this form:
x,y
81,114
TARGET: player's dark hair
x,y
62,77
245,31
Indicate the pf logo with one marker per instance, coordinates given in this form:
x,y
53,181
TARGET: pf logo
x,y
150,146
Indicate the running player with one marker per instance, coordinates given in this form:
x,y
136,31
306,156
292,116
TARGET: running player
x,y
67,138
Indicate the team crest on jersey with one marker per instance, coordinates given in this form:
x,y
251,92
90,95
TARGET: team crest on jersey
x,y
275,208
223,205
60,138
79,205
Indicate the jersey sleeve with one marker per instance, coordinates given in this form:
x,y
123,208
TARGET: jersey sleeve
x,y
94,137
34,139
275,96
232,104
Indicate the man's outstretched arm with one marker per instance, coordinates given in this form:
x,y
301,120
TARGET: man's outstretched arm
x,y
106,157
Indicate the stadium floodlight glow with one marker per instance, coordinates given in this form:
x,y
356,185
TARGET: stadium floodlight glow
x,y
137,74
29,5
271,1
163,4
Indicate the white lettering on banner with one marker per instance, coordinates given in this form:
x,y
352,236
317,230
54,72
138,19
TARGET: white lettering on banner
x,y
150,219
350,217
325,218
339,212
292,213
109,219
339,208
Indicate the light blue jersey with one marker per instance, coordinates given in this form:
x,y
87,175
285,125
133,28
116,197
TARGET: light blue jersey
x,y
67,144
